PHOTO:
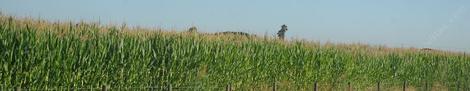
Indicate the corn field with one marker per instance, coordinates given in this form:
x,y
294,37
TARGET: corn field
x,y
38,54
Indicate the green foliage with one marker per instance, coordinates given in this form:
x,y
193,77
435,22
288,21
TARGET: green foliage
x,y
38,55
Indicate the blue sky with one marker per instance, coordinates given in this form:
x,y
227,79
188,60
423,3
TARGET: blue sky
x,y
441,24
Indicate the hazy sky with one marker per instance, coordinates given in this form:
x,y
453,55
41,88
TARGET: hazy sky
x,y
442,24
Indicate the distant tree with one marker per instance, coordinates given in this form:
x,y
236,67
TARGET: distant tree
x,y
192,29
426,49
281,33
233,33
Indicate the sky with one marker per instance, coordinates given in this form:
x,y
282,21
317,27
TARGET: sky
x,y
439,24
